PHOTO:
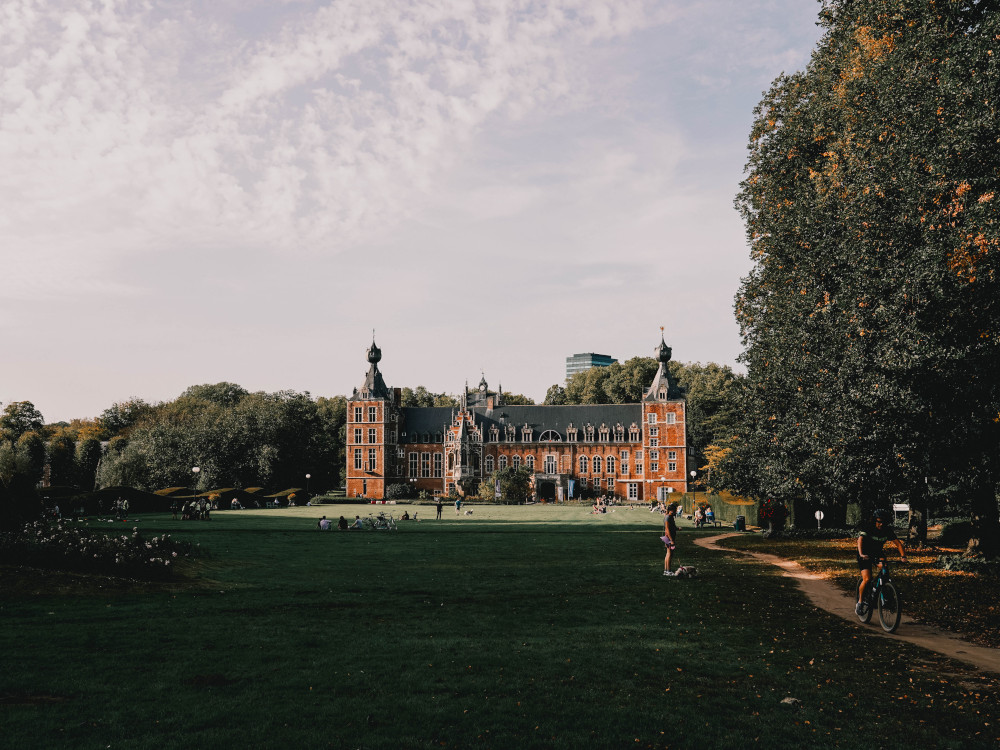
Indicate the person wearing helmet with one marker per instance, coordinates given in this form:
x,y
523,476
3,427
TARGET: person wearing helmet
x,y
870,543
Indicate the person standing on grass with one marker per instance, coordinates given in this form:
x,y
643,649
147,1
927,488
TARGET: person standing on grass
x,y
439,508
669,537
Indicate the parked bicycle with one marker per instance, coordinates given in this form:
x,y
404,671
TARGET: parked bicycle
x,y
381,522
882,594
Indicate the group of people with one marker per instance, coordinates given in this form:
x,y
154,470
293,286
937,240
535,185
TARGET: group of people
x,y
704,515
601,504
193,510
325,524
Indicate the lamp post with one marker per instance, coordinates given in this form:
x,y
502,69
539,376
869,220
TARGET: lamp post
x,y
308,476
195,470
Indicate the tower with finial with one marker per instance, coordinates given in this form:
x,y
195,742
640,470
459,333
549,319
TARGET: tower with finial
x,y
372,432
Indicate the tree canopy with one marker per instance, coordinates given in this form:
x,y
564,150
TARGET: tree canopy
x,y
870,318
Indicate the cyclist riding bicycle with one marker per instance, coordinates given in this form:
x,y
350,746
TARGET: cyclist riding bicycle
x,y
870,544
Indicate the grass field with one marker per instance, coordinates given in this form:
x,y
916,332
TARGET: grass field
x,y
514,627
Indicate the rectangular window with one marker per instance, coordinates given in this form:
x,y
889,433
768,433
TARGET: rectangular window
x,y
392,436
624,467
638,467
357,435
372,459
672,455
372,411
571,436
400,453
671,417
651,418
611,485
633,491
438,465
610,464
372,435
671,467
654,442
414,461
653,431
654,455
358,461
357,414
654,466
425,465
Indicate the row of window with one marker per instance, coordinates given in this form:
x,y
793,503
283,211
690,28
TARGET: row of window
x,y
359,461
359,413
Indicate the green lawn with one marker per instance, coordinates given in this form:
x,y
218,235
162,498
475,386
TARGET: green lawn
x,y
514,627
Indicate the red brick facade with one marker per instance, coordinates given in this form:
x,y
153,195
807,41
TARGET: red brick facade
x,y
634,451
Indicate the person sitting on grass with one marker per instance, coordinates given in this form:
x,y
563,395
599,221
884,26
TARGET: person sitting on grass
x,y
357,523
342,524
323,524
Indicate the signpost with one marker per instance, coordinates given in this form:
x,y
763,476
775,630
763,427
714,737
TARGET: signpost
x,y
819,517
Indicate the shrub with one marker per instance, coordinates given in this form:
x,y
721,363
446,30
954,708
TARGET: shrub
x,y
62,546
956,534
398,492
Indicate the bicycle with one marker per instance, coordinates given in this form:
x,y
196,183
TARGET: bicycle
x,y
381,522
882,592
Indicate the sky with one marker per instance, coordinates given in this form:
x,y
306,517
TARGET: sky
x,y
244,190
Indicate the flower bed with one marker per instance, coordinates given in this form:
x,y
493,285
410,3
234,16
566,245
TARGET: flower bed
x,y
63,546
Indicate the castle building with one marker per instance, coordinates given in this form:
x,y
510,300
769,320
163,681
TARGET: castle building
x,y
634,451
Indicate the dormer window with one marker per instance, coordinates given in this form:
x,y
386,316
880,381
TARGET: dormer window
x,y
619,433
589,432
633,433
526,433
603,433
571,433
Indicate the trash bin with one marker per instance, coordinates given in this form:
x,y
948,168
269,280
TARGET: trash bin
x,y
740,524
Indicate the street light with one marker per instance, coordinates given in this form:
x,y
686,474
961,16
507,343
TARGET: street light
x,y
307,486
195,470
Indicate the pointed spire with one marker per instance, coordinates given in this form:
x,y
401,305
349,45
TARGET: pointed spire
x,y
663,386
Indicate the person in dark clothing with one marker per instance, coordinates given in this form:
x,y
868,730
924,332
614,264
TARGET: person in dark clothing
x,y
870,548
669,537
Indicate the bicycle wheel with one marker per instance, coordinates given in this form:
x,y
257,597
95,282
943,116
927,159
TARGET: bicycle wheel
x,y
867,616
890,609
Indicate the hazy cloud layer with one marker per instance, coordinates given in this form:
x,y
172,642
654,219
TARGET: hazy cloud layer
x,y
176,167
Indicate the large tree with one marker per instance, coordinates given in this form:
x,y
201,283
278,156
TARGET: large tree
x,y
18,418
871,316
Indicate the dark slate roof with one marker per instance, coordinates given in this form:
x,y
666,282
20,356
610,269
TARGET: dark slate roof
x,y
540,418
558,418
429,419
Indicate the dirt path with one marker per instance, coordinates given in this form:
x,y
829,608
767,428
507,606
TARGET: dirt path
x,y
826,596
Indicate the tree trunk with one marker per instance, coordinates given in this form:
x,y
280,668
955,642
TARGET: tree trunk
x,y
985,541
917,533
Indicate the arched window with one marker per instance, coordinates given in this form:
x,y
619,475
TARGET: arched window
x,y
529,461
583,464
597,464
550,436
515,461
610,463
489,464
502,462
